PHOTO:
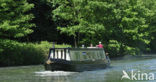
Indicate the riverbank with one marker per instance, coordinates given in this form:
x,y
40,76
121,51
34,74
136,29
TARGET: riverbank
x,y
16,54
131,57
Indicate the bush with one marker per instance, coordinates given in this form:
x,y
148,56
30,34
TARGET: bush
x,y
117,49
16,53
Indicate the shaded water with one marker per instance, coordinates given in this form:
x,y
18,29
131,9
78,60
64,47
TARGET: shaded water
x,y
111,74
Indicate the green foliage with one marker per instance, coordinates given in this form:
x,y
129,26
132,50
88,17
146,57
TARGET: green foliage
x,y
115,48
151,5
90,21
14,18
130,25
15,53
77,13
123,26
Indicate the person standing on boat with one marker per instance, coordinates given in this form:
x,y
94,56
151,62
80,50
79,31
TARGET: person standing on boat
x,y
100,45
91,45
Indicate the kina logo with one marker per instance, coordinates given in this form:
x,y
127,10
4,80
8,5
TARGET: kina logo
x,y
137,75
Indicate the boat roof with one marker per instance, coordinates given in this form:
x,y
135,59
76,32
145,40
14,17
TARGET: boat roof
x,y
80,48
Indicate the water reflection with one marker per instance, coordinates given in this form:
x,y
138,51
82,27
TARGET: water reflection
x,y
111,74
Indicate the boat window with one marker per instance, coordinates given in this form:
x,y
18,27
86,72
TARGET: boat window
x,y
86,54
77,54
59,54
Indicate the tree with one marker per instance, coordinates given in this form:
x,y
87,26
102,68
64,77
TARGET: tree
x,y
129,26
151,5
15,18
76,12
120,24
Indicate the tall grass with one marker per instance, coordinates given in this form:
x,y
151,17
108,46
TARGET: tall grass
x,y
16,53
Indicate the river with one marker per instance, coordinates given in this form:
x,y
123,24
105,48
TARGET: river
x,y
110,74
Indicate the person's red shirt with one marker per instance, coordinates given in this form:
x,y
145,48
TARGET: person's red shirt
x,y
100,46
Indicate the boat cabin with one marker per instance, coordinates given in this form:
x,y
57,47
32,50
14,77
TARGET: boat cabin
x,y
77,54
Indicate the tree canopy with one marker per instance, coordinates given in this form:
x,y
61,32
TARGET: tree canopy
x,y
123,26
15,18
119,24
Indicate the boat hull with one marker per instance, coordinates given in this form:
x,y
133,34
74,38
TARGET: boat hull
x,y
63,65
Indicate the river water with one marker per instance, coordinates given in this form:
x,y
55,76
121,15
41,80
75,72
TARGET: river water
x,y
110,74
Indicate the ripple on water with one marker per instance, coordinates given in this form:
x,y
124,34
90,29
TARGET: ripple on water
x,y
54,73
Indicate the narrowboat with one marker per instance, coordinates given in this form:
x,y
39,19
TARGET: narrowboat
x,y
76,59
